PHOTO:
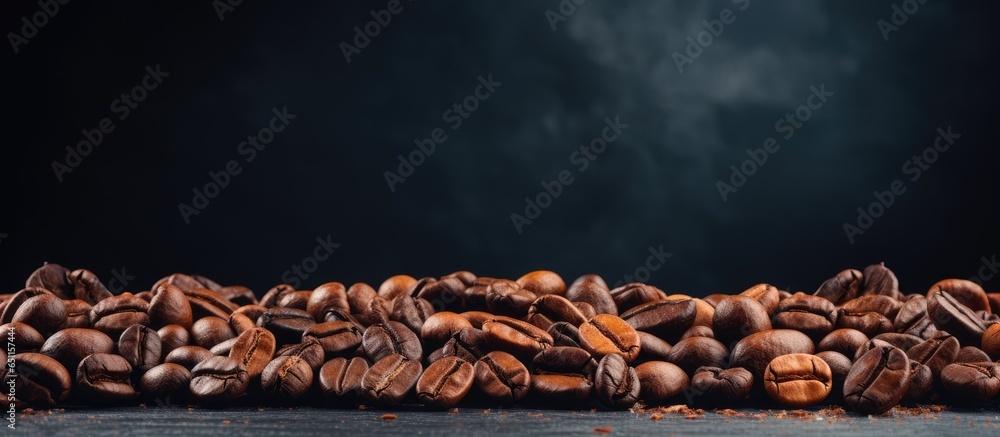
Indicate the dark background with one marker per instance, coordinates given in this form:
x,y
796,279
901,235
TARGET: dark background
x,y
656,185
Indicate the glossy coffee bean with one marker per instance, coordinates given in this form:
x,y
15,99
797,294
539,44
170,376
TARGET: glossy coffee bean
x,y
468,344
272,296
26,338
45,312
440,327
410,311
444,294
798,380
841,288
326,297
166,380
606,334
667,319
70,346
54,278
766,294
920,385
383,339
948,314
105,378
238,295
170,306
173,337
691,353
501,377
564,359
877,381
141,347
77,314
912,319
757,350
223,349
309,350
844,340
507,298
254,349
971,354
14,302
514,336
287,324
631,295
871,344
87,287
971,382
840,366
542,282
660,381
966,292
879,280
653,348
114,315
558,389
935,352
40,382
737,317
390,379
396,285
550,308
340,379
445,382
592,292
565,334
716,386
698,331
210,331
288,377
337,338
188,356
902,341
179,280
812,315
241,323
615,383
218,379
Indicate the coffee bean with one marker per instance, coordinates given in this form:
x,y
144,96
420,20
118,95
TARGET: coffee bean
x,y
390,379
40,382
565,334
971,354
631,295
841,288
77,314
44,312
971,382
466,277
219,379
166,380
410,311
340,379
667,319
616,384
691,353
309,350
812,315
877,381
659,381
271,298
558,389
238,295
173,337
912,319
716,386
550,308
757,350
70,346
652,347
444,383
141,347
879,280
210,331
798,380
935,352
105,378
840,366
514,336
869,323
871,344
698,331
542,282
737,317
170,307
188,356
54,278
565,360
396,285
966,292
444,294
287,324
468,344
501,377
87,287
844,340
383,339
766,294
440,327
288,377
337,338
254,349
920,385
507,298
114,315
606,334
223,349
179,280
26,338
902,341
948,314
592,292
240,323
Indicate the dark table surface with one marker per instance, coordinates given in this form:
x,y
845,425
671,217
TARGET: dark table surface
x,y
173,420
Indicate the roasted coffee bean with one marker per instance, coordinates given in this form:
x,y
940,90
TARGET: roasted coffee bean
x,y
766,294
994,299
298,299
70,346
592,292
358,295
180,280
238,295
105,378
474,297
210,331
173,337
254,349
542,282
212,297
77,314
501,377
375,311
902,341
114,315
396,285
466,277
966,292
340,379
871,344
26,338
698,331
219,379
653,348
287,324
240,323
201,308
840,366
884,305
40,382
877,381
868,322
568,390
223,349
692,353
141,347
990,341
844,340
13,303
812,315
667,319
506,298
54,278
45,312
565,334
551,308
288,377
444,383
383,339
410,311
440,327
659,381
607,334
188,356
841,288
714,299
145,295
971,382
165,380
170,307
878,279
444,294
564,359
87,287
757,350
935,352
737,317
616,384
337,338
971,354
948,314
468,344
253,312
309,350
912,319
920,384
798,380
716,386
514,336
631,295
271,298
390,379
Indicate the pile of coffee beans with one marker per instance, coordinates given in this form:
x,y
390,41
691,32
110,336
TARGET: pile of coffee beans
x,y
463,340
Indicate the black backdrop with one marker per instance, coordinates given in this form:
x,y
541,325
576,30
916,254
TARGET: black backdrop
x,y
654,187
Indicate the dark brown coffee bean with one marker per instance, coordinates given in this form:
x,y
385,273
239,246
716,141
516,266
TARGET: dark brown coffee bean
x,y
165,380
440,327
212,298
188,356
170,307
935,352
542,282
902,341
966,292
653,348
698,331
607,334
173,337
514,336
179,280
444,294
238,295
466,277
971,382
501,377
253,312
114,315
565,334
223,349
298,299
77,314
912,319
565,360
841,288
383,339
145,295
737,317
692,353
920,385
271,298
877,381
87,287
844,340
410,311
396,285
241,323
390,379
444,383
141,347
506,298
592,292
210,331
551,308
14,302
971,354
884,305
757,350
558,389
105,378
766,294
340,379
474,297
869,323
70,346
840,366
219,379
631,295
878,279
990,341
798,380
54,278
948,314
615,383
871,344
287,324
659,381
667,319
468,344
40,382
812,315
254,349
26,338
288,377
309,350
704,313
716,386
44,312
337,338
